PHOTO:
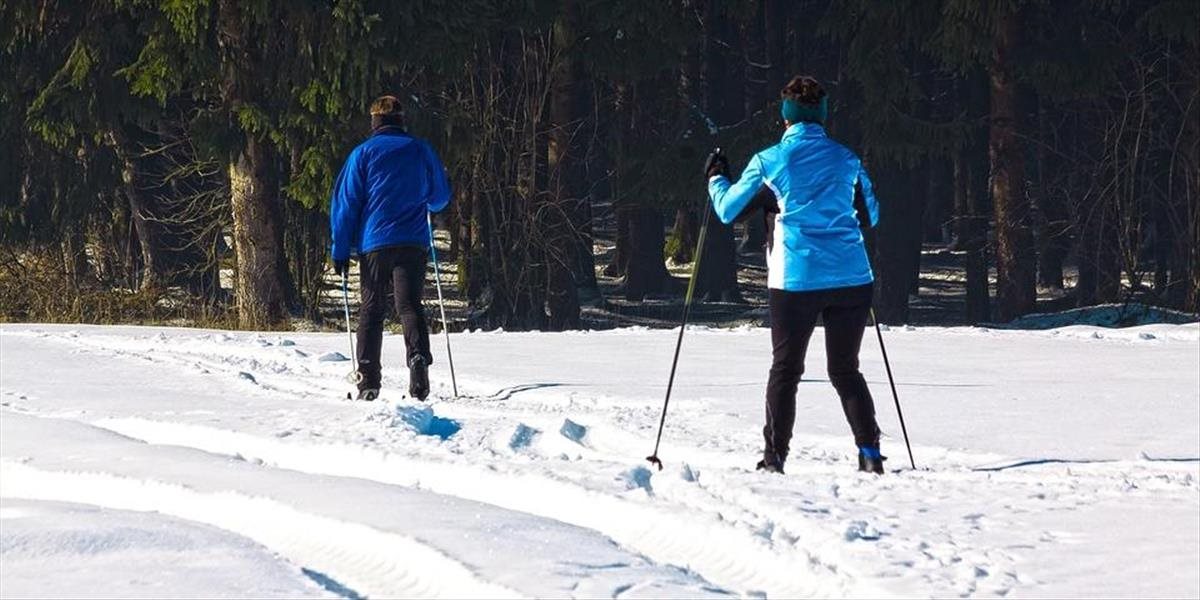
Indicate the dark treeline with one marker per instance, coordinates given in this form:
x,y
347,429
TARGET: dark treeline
x,y
147,146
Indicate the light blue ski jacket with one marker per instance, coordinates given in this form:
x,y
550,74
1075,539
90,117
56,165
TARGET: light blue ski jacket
x,y
817,243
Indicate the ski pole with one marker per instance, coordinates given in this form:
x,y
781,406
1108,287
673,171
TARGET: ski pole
x,y
356,375
437,279
892,381
687,309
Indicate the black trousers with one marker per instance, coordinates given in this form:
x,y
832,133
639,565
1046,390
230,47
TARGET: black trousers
x,y
844,312
399,270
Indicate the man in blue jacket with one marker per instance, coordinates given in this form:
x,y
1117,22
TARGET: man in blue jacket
x,y
379,210
817,263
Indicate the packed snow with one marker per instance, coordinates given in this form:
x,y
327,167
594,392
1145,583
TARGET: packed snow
x,y
160,462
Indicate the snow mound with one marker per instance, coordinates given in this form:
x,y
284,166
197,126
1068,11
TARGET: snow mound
x,y
1103,315
422,421
332,357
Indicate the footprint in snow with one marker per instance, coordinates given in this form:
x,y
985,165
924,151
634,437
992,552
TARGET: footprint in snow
x,y
861,530
637,477
687,473
422,421
523,437
573,431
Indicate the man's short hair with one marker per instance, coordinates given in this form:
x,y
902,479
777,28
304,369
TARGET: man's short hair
x,y
387,106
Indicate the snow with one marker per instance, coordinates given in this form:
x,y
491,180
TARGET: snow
x,y
175,462
175,557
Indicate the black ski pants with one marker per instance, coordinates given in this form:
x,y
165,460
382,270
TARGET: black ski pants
x,y
844,312
399,270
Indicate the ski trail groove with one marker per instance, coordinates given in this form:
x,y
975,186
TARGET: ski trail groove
x,y
721,552
369,561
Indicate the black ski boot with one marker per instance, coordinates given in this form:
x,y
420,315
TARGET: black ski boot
x,y
870,460
418,378
773,464
368,395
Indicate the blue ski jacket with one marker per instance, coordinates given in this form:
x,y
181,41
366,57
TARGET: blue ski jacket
x,y
382,195
817,242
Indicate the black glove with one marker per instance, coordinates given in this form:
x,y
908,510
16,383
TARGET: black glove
x,y
341,267
716,164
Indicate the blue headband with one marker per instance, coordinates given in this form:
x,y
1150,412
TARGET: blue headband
x,y
795,112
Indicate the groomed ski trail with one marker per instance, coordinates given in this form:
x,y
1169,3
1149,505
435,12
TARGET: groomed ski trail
x,y
556,449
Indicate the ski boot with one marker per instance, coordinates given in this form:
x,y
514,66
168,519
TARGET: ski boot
x,y
418,378
368,395
774,464
870,460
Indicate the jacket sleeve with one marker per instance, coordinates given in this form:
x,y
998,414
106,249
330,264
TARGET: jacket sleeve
x,y
345,207
864,192
439,186
729,199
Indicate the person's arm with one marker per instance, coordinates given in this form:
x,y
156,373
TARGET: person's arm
x,y
439,186
729,199
865,204
345,207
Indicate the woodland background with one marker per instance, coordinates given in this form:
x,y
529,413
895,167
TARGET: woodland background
x,y
170,160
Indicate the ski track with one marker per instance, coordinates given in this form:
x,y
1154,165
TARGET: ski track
x,y
371,562
720,551
821,531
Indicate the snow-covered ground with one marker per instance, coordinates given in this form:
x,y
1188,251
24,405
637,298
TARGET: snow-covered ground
x,y
171,462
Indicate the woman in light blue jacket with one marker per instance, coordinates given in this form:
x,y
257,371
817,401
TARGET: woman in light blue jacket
x,y
817,262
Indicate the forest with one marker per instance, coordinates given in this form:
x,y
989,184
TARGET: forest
x,y
173,159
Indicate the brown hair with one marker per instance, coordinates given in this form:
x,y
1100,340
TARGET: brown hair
x,y
387,111
387,105
804,90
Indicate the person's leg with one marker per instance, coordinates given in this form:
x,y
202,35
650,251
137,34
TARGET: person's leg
x,y
845,319
374,271
408,279
793,316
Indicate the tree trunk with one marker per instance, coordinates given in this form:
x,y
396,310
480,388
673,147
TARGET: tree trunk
x,y
141,210
970,227
898,251
75,262
564,212
756,74
1186,254
304,243
646,273
1053,219
1099,256
618,265
1015,261
262,285
684,233
717,277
